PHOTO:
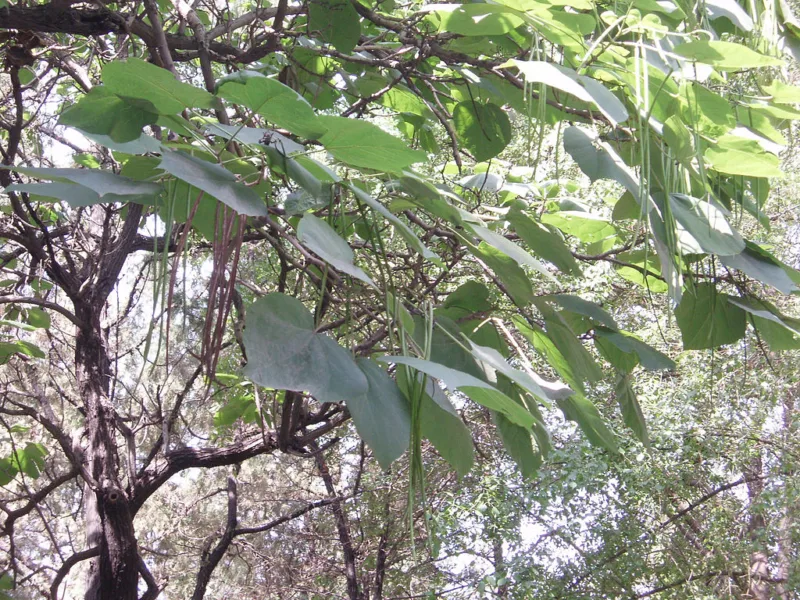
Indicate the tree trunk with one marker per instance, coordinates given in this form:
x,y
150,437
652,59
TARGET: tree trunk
x,y
758,587
109,523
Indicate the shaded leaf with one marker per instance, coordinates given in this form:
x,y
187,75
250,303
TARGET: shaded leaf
x,y
322,239
139,79
381,415
580,410
337,22
631,410
285,353
214,180
104,113
482,128
480,391
707,319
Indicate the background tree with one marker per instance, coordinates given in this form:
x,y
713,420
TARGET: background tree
x,y
232,230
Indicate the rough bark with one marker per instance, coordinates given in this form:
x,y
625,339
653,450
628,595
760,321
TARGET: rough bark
x,y
758,587
109,523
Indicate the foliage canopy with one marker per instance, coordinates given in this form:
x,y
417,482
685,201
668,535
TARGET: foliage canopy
x,y
299,214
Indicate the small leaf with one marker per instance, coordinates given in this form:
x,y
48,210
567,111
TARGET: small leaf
x,y
631,411
30,460
38,318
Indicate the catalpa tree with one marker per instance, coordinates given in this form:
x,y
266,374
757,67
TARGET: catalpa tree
x,y
229,230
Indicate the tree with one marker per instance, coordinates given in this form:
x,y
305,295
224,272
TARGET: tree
x,y
245,258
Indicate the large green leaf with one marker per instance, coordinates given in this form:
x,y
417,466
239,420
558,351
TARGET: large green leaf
x,y
136,78
520,446
483,128
403,229
215,180
362,144
761,265
441,423
284,352
706,111
510,249
707,224
543,242
725,56
766,312
276,102
578,305
381,414
567,80
513,277
707,319
102,112
478,390
322,239
468,299
447,346
651,359
478,19
631,410
599,160
740,156
730,9
87,186
336,21
71,193
585,414
585,226
537,337
531,382
579,358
